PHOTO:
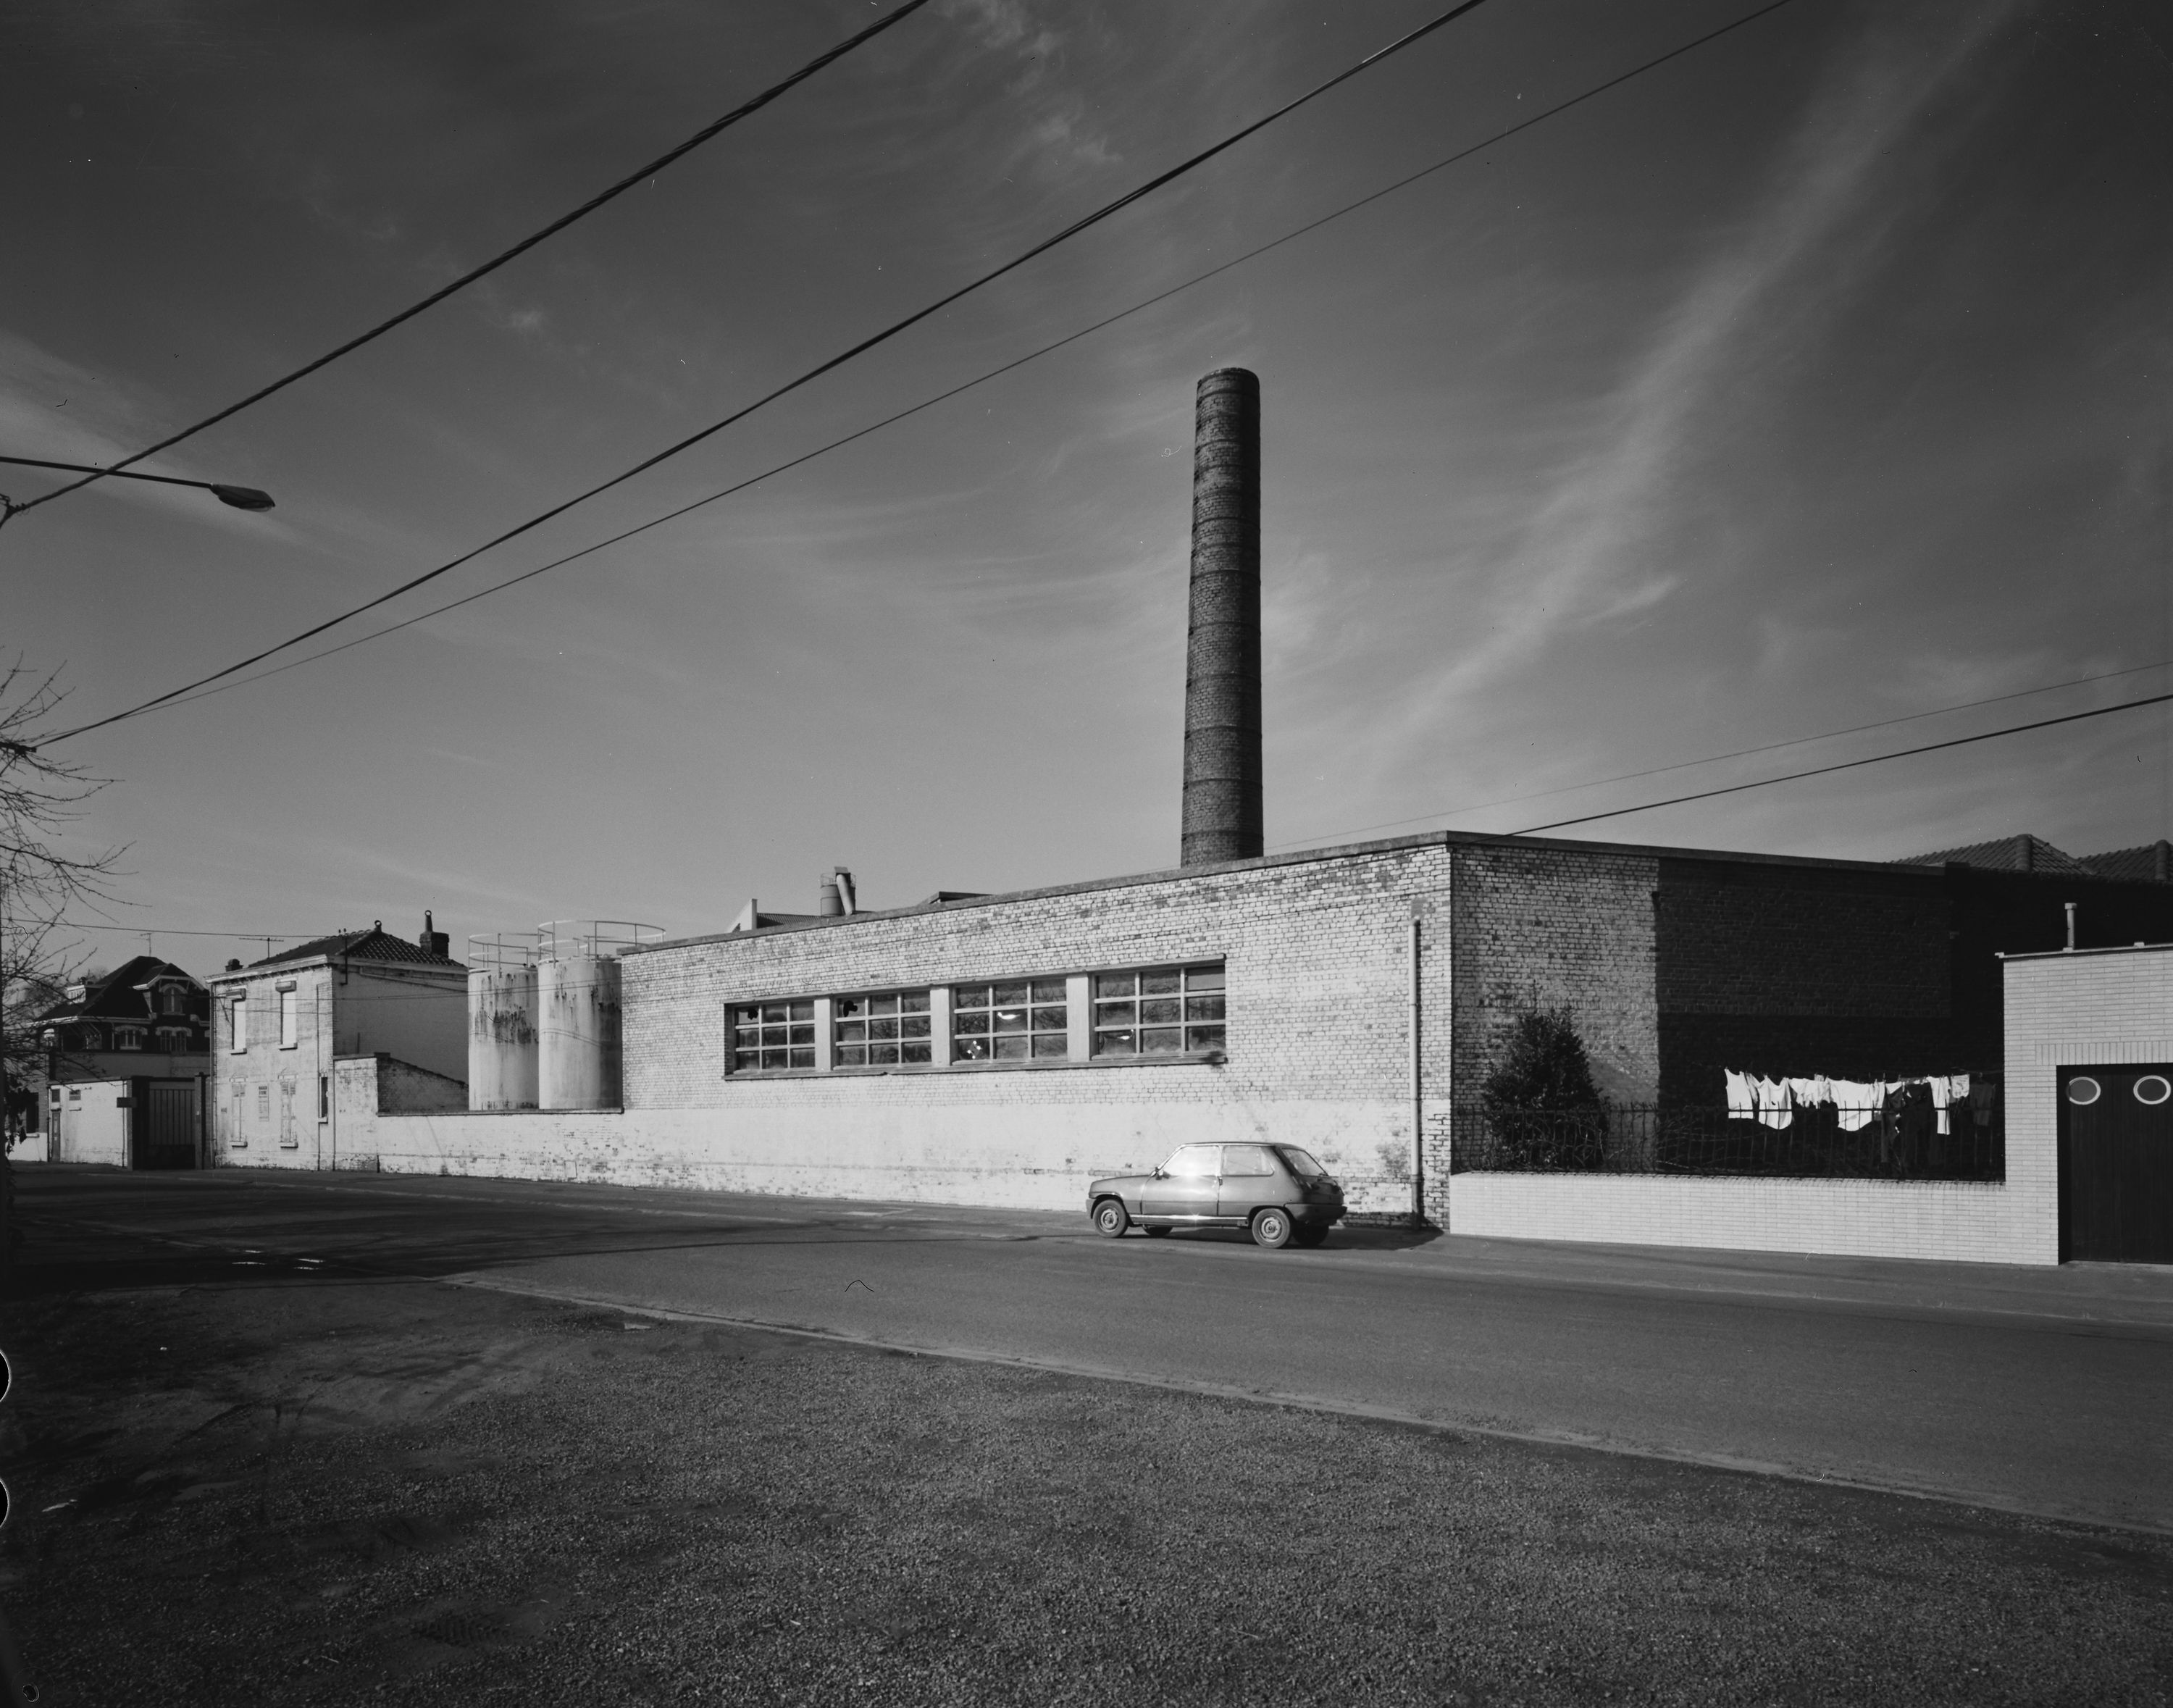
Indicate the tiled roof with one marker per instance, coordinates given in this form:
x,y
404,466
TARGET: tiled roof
x,y
376,944
2131,862
2005,855
114,995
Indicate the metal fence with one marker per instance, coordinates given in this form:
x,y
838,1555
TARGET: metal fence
x,y
1894,1145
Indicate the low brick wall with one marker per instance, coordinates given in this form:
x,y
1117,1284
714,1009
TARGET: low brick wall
x,y
931,1152
1959,1222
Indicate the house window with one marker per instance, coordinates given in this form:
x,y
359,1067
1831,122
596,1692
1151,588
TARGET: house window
x,y
128,1037
324,1097
290,1018
235,1135
237,1026
769,1036
75,1094
173,1039
877,1032
1020,1020
172,999
264,1103
1164,1011
88,1035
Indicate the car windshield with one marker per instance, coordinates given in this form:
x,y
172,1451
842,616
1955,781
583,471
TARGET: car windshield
x,y
1301,1161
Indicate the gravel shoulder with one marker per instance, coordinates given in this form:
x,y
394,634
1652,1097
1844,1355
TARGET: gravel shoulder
x,y
315,1489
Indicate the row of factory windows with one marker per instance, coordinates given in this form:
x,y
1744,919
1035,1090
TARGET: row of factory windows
x,y
1140,1013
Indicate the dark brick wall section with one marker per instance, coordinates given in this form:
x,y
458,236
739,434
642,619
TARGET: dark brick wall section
x,y
1540,927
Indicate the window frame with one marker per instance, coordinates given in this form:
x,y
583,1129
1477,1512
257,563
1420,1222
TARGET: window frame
x,y
290,1016
925,1015
759,1026
237,1025
1115,1004
1035,1004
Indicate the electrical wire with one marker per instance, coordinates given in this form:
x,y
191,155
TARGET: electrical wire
x,y
186,696
1849,764
466,279
1716,758
1084,223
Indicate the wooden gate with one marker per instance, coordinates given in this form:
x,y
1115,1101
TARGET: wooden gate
x,y
2116,1164
165,1125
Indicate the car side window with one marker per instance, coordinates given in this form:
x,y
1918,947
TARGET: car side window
x,y
1246,1159
1194,1161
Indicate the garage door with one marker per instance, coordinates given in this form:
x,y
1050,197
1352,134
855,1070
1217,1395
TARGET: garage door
x,y
167,1138
2116,1164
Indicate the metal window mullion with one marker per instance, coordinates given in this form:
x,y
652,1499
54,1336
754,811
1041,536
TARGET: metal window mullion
x,y
1079,1016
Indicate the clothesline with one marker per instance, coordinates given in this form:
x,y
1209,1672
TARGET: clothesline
x,y
1773,1102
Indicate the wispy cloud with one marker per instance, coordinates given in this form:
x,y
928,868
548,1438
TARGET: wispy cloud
x,y
1582,557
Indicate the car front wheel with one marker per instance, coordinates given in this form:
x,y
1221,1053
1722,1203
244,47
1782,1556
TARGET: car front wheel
x,y
1110,1221
1271,1228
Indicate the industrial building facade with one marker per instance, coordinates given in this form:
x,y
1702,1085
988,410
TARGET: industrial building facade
x,y
1005,1049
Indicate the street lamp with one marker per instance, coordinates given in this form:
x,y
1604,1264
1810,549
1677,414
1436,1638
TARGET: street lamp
x,y
240,497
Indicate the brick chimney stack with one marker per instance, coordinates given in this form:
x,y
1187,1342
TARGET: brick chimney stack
x,y
1223,816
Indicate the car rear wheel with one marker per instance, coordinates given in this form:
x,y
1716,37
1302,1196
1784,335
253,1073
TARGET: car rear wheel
x,y
1110,1221
1271,1228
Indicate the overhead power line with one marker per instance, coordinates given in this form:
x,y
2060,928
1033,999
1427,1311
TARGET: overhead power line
x,y
201,690
638,175
1071,231
1849,764
1716,758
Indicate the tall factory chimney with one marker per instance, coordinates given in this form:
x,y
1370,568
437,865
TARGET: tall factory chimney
x,y
1222,812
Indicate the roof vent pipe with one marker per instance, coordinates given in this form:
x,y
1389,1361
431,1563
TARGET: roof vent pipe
x,y
1223,816
828,905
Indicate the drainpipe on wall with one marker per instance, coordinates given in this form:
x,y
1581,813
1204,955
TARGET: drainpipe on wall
x,y
1418,1092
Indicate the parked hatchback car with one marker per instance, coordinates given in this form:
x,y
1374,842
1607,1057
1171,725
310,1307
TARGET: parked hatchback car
x,y
1277,1191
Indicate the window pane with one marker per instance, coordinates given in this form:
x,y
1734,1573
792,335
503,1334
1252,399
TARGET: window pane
x,y
1049,990
969,1024
1049,1044
1115,983
1010,1050
915,1002
1246,1159
882,1005
1204,1037
803,1059
852,1055
1203,1008
746,1014
1161,1041
883,1028
970,996
846,1007
1115,1043
804,1010
1048,1020
1203,978
913,1025
883,1054
1163,1009
745,1061
1194,1161
773,1058
772,1011
1158,984
852,1031
802,1035
1115,1013
972,1049
1011,1019
917,1051
1015,991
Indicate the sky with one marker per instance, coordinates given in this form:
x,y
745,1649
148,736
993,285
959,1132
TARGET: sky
x,y
1815,379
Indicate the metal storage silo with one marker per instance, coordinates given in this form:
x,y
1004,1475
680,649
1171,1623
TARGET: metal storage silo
x,y
578,997
503,1058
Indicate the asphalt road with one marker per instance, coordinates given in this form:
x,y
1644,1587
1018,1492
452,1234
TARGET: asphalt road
x,y
2046,1393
